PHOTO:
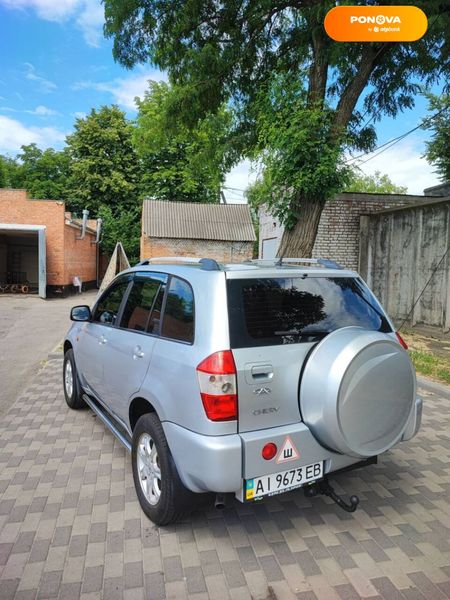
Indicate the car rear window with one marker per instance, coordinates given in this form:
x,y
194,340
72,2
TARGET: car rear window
x,y
290,310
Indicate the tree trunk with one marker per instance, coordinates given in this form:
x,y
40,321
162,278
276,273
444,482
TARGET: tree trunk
x,y
299,241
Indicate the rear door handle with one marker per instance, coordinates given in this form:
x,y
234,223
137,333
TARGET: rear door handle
x,y
262,372
138,352
102,340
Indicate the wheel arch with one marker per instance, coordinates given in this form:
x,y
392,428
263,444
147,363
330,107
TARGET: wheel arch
x,y
67,346
139,406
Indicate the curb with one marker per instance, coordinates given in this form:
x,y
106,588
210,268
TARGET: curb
x,y
56,352
434,387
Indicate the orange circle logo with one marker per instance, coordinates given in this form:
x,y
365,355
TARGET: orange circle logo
x,y
376,23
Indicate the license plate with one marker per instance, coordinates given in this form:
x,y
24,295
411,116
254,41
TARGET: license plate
x,y
277,483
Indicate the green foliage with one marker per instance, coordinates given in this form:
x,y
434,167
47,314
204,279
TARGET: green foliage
x,y
105,176
43,173
294,147
123,226
180,162
218,52
438,148
10,172
105,170
373,184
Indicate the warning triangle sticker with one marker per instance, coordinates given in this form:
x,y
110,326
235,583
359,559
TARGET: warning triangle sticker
x,y
288,451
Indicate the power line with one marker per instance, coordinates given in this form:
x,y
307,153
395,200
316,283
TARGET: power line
x,y
225,187
394,141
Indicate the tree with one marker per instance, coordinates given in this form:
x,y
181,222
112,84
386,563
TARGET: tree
x,y
373,184
9,168
105,169
43,173
105,176
235,52
438,148
180,163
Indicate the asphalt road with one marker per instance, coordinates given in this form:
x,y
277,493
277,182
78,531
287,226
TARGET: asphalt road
x,y
29,329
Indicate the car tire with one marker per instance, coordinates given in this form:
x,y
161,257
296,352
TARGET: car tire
x,y
71,384
162,495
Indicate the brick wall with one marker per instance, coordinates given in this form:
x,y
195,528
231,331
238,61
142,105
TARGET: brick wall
x,y
338,233
80,256
221,251
66,256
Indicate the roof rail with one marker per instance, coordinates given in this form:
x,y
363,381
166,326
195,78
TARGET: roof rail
x,y
206,264
279,262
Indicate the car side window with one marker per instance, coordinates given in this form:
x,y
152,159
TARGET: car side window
x,y
178,319
155,317
109,304
139,304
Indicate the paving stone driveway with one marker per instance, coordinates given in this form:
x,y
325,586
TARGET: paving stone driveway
x,y
71,527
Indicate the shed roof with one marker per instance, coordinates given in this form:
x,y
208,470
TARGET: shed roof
x,y
194,220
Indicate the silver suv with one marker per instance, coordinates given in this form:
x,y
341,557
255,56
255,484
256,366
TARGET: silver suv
x,y
248,379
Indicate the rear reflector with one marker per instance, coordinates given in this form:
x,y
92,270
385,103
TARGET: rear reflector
x,y
269,451
217,381
401,340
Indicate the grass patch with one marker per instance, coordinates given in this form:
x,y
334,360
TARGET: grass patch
x,y
430,365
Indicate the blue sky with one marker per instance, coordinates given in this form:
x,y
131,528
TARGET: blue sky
x,y
55,65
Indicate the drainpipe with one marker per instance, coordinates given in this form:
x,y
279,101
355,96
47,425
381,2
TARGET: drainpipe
x,y
84,224
97,251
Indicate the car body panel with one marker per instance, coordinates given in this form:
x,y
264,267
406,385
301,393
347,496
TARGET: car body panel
x,y
212,456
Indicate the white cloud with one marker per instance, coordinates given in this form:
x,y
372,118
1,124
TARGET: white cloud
x,y
42,111
44,84
405,166
87,14
39,111
79,114
124,89
50,10
90,21
13,134
238,180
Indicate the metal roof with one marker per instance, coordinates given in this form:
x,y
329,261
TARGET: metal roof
x,y
193,220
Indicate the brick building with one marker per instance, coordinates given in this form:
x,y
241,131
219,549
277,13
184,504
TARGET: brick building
x,y
221,231
339,227
40,244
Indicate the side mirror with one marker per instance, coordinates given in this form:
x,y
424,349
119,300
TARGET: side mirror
x,y
80,313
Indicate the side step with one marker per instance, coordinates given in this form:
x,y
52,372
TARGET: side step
x,y
123,439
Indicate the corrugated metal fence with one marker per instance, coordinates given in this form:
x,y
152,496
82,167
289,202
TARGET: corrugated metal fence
x,y
399,251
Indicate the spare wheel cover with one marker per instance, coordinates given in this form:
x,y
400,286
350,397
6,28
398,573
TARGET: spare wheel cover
x,y
357,391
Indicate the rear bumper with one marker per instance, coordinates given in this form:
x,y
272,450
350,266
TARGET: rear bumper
x,y
206,463
414,421
221,463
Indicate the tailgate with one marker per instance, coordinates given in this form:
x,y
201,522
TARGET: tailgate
x,y
267,383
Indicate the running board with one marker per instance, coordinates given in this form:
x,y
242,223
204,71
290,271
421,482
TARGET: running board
x,y
107,421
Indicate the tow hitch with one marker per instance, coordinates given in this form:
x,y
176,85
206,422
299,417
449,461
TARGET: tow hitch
x,y
324,488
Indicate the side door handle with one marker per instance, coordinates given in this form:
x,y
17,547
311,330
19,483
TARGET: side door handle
x,y
102,340
138,352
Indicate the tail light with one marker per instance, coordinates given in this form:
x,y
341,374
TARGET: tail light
x,y
217,380
401,340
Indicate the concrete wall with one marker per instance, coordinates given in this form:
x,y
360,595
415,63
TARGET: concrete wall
x,y
222,251
399,251
66,256
338,233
